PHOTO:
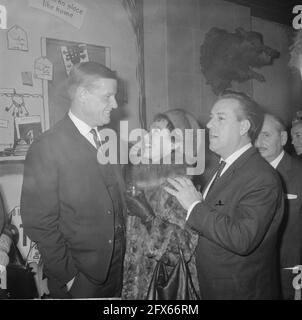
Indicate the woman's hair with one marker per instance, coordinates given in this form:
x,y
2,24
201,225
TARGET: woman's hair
x,y
149,175
182,120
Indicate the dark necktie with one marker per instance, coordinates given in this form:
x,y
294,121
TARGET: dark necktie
x,y
218,173
96,138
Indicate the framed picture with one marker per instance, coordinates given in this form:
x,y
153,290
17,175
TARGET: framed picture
x,y
28,129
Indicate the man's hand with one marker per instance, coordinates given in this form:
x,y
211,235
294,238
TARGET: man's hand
x,y
184,191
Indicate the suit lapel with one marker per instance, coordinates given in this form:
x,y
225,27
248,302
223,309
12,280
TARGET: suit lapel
x,y
225,179
284,166
84,143
284,170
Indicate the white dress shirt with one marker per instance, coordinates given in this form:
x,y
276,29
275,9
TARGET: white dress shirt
x,y
277,160
84,128
229,161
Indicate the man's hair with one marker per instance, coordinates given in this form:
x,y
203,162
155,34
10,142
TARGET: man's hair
x,y
249,110
85,74
280,126
297,123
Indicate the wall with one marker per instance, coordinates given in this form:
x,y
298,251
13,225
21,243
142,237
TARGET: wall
x,y
106,23
176,37
177,29
276,93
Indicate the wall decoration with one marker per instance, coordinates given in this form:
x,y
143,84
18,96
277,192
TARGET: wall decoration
x,y
17,135
67,10
18,106
227,57
27,78
135,12
17,39
74,54
28,128
43,69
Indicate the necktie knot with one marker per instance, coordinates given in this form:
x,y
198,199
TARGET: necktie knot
x,y
220,168
96,138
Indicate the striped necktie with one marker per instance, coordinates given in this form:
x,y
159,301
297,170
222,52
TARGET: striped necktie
x,y
218,173
96,138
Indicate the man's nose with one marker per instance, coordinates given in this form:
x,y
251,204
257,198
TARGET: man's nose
x,y
114,103
209,124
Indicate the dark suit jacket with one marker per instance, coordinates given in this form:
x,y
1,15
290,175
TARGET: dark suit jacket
x,y
238,223
290,170
2,215
66,205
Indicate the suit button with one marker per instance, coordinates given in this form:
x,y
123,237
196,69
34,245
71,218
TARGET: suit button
x,y
109,211
110,241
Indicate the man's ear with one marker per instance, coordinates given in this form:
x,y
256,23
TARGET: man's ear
x,y
284,137
81,93
244,126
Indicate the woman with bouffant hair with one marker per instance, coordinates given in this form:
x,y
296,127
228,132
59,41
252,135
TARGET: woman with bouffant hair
x,y
156,222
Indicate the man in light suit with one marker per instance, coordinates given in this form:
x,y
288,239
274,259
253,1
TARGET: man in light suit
x,y
270,143
71,206
239,214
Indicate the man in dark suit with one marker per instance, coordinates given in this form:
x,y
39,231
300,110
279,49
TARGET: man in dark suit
x,y
296,134
270,143
241,209
70,204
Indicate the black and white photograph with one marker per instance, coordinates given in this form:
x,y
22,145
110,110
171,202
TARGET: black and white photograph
x,y
150,153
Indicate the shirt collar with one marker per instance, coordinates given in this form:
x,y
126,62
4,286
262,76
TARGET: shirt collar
x,y
277,160
234,156
83,127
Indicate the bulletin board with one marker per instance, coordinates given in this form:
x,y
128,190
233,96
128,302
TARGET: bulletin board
x,y
55,94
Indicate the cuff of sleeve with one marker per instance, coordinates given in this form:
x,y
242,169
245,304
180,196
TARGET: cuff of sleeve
x,y
69,284
199,216
191,208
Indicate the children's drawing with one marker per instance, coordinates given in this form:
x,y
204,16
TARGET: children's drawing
x,y
73,55
17,39
43,68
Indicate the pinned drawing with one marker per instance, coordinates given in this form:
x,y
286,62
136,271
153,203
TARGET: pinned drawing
x,y
27,78
43,69
28,128
74,54
18,106
17,39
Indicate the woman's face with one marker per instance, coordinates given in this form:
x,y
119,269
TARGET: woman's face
x,y
157,143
